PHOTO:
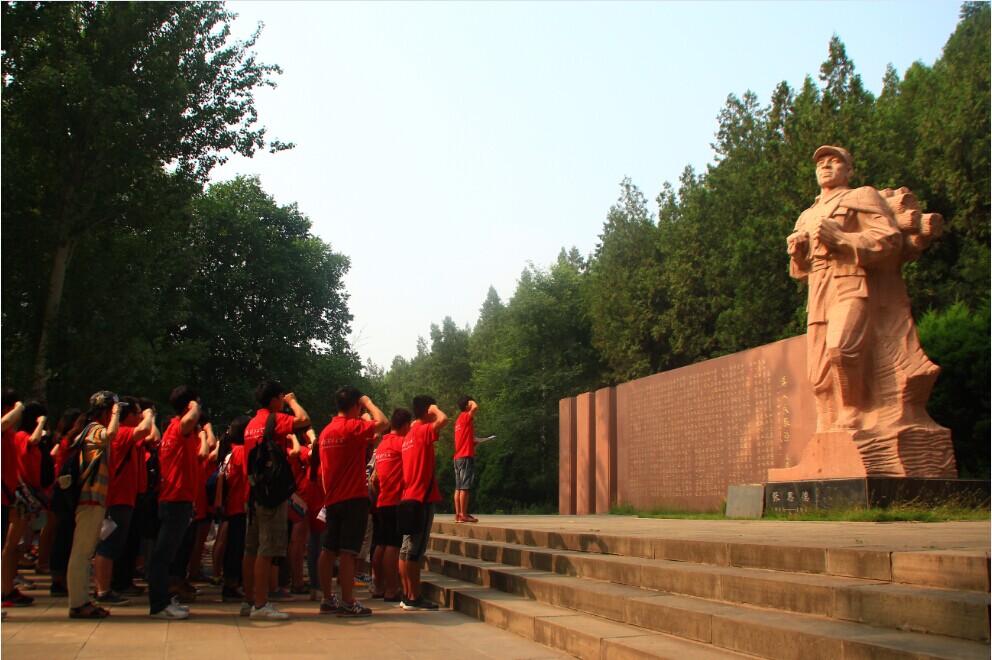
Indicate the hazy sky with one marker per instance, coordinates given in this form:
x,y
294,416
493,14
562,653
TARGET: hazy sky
x,y
444,146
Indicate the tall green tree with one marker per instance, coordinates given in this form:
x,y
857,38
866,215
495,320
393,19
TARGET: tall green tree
x,y
625,293
108,106
543,353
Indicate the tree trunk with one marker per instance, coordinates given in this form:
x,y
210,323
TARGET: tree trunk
x,y
60,264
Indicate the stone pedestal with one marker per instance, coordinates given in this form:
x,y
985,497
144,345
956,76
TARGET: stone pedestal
x,y
868,492
922,451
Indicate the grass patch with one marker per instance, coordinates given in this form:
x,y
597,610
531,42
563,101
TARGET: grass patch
x,y
628,510
908,512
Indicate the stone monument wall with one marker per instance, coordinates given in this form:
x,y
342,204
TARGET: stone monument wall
x,y
678,439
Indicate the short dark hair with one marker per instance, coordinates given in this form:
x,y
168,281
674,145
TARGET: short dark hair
x,y
400,418
29,418
463,402
129,404
267,390
68,420
347,398
421,404
236,431
9,397
146,403
181,396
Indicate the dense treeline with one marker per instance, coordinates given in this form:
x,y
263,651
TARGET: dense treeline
x,y
122,270
705,272
119,270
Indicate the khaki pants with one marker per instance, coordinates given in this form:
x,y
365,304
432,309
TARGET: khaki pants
x,y
89,520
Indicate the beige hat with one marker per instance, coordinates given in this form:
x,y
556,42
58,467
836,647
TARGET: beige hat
x,y
838,151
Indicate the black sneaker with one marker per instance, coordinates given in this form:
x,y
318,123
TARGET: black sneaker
x,y
16,599
419,603
111,598
353,609
232,595
131,590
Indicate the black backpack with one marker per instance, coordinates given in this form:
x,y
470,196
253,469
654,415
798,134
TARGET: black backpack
x,y
271,478
69,485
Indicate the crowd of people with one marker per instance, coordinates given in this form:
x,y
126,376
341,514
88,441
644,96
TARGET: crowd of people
x,y
111,496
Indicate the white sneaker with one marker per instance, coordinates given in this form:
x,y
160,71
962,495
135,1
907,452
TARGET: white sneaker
x,y
175,601
267,612
246,608
171,612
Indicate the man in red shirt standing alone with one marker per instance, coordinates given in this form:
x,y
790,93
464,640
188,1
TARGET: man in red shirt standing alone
x,y
464,458
266,538
343,445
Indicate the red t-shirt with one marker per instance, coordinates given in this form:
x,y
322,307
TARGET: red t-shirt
x,y
255,431
389,467
177,464
123,489
300,465
418,463
465,436
28,459
203,470
342,458
8,465
315,502
140,467
237,482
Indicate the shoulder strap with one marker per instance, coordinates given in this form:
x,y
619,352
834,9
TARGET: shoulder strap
x,y
124,462
270,428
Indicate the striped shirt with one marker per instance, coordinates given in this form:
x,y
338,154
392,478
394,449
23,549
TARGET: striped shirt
x,y
94,492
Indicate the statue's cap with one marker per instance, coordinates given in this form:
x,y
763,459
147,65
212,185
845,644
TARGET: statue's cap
x,y
838,151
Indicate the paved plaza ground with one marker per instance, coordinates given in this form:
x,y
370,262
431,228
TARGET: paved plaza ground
x,y
215,630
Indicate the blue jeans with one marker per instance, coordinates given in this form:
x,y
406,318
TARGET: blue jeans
x,y
174,518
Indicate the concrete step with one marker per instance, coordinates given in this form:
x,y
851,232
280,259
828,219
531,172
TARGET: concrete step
x,y
953,613
965,571
582,635
734,627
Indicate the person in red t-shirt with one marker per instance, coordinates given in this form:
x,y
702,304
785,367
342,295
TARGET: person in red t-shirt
x,y
420,484
299,527
122,492
176,454
122,578
192,569
465,442
234,472
389,475
26,467
266,537
343,445
61,542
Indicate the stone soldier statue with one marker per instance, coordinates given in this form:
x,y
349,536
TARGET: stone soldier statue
x,y
870,378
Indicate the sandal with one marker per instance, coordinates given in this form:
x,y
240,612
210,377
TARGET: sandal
x,y
88,611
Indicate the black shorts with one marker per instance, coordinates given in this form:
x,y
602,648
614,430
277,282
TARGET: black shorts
x,y
384,528
346,523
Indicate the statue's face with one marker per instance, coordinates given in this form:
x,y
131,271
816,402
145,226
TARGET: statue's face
x,y
832,171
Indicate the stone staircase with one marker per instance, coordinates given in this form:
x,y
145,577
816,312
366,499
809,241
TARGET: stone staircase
x,y
606,596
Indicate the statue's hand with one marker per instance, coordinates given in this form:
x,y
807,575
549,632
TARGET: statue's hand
x,y
829,233
798,243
